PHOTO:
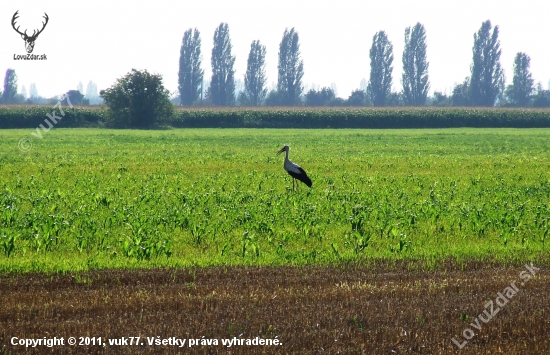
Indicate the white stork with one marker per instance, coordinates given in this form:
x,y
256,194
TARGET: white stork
x,y
294,170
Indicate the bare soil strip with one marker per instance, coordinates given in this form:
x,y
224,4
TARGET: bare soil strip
x,y
311,310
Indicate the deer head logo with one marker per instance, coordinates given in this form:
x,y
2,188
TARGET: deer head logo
x,y
29,40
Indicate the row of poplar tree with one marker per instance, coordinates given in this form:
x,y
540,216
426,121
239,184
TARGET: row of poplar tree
x,y
484,87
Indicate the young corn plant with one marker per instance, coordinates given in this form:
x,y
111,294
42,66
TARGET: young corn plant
x,y
8,244
144,246
358,238
81,243
403,245
249,244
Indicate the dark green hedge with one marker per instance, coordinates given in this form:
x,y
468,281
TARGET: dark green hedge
x,y
280,117
29,116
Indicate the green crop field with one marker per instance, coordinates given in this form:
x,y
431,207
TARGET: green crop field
x,y
84,199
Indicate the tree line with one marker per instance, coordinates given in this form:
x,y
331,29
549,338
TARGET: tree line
x,y
221,91
10,95
484,87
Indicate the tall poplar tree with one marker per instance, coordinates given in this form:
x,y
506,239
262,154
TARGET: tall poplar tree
x,y
486,80
415,66
222,84
190,74
254,79
519,93
290,69
10,87
381,59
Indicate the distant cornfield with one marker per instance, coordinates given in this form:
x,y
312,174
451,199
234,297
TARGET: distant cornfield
x,y
353,117
296,117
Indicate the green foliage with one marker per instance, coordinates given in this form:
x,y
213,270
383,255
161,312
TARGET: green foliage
x,y
274,99
222,84
358,98
89,198
254,80
381,59
415,67
76,98
290,69
320,97
190,74
440,99
487,79
139,99
395,99
541,98
461,94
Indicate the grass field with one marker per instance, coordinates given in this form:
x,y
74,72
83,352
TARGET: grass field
x,y
84,199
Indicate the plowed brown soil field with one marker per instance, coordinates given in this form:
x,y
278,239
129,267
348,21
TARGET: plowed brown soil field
x,y
311,310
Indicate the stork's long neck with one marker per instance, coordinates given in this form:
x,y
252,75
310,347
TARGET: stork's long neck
x,y
286,155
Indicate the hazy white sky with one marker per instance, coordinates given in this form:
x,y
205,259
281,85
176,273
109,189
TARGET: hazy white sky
x,y
103,40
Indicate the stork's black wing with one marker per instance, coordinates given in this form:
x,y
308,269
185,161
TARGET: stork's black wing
x,y
301,175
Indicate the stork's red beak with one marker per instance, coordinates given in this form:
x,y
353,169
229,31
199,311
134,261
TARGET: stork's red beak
x,y
280,151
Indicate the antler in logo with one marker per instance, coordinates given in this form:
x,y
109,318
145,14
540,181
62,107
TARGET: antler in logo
x,y
29,40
